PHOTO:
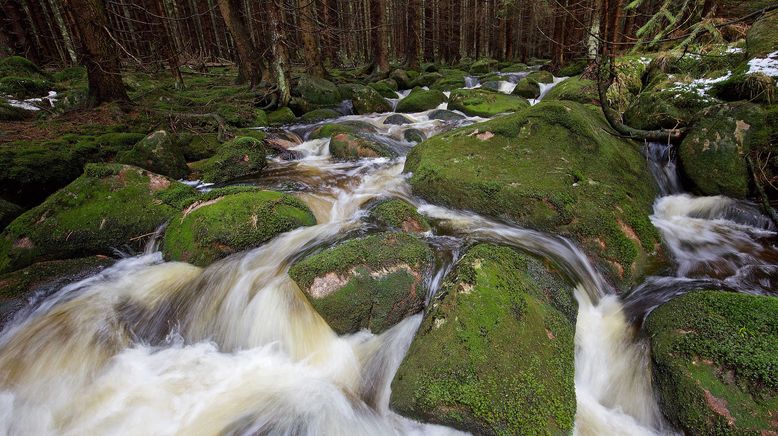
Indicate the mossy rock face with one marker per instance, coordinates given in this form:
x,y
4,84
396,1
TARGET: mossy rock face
x,y
243,156
553,167
452,79
484,103
21,67
495,353
664,106
221,223
17,286
399,214
574,89
712,154
715,362
317,91
24,87
492,85
762,37
261,118
367,100
384,88
31,170
527,88
109,206
754,87
445,115
515,68
372,282
397,120
156,153
541,76
331,129
420,100
317,115
198,146
349,147
427,79
483,66
13,113
281,116
401,78
573,68
414,135
8,211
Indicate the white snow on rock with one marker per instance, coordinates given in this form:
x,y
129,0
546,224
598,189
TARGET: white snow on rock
x,y
767,66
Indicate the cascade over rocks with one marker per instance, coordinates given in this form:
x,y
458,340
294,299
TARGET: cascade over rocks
x,y
108,207
553,167
495,352
367,283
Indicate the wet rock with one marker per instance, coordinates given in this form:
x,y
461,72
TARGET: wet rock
x,y
574,89
445,115
665,106
762,37
243,156
317,115
493,85
426,79
495,352
109,206
527,88
317,91
228,220
452,79
552,167
420,100
386,88
156,153
483,66
198,146
414,135
279,142
8,211
714,362
367,283
401,77
712,155
348,146
281,116
397,120
484,103
367,100
541,76
399,214
515,68
331,129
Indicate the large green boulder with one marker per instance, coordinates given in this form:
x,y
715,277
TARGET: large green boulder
x,y
24,87
21,67
427,79
452,79
665,105
495,351
283,116
484,103
527,88
483,66
317,115
16,287
367,100
574,89
386,88
401,78
399,214
554,167
715,363
420,100
352,127
372,282
108,207
573,68
762,37
8,211
198,146
243,156
317,91
541,76
713,153
156,153
349,147
229,220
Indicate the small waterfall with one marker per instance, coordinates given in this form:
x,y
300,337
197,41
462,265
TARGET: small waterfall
x,y
661,162
471,81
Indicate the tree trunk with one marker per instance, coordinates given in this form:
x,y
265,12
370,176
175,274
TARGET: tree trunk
x,y
280,57
310,37
99,53
378,36
414,35
166,39
247,53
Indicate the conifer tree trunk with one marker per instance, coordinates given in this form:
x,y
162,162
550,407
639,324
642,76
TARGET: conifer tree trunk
x,y
310,36
98,52
280,56
249,57
378,36
414,35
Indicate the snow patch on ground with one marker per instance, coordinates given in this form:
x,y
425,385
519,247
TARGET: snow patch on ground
x,y
32,104
767,66
699,86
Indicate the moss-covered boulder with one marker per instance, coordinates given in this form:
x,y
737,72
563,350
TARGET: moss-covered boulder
x,y
484,103
348,146
243,156
515,68
553,167
483,66
541,76
399,214
573,68
281,116
527,88
331,129
574,89
420,100
452,79
715,362
367,283
317,115
743,84
712,154
156,153
762,37
414,135
495,352
386,88
665,105
401,78
397,120
229,220
108,207
24,87
13,113
8,211
198,146
427,79
317,91
21,67
445,115
16,287
367,100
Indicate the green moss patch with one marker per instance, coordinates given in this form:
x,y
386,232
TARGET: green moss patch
x,y
484,103
420,100
762,37
495,352
243,156
156,153
347,146
8,211
399,214
574,89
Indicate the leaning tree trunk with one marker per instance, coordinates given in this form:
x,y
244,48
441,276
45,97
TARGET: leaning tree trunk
x,y
378,36
310,37
99,52
250,64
